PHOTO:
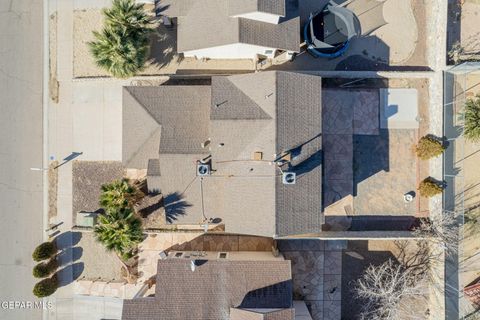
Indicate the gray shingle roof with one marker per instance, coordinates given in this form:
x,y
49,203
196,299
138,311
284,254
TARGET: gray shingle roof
x,y
230,103
159,120
212,289
299,127
208,24
236,7
268,112
285,35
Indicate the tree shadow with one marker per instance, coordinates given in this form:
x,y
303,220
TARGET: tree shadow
x,y
68,239
355,260
163,46
69,273
69,255
175,206
150,204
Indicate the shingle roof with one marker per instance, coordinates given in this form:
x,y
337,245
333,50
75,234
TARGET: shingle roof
x,y
299,128
212,289
159,120
276,7
268,112
285,35
208,24
231,103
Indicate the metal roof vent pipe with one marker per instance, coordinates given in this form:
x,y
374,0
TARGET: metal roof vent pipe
x,y
289,178
203,169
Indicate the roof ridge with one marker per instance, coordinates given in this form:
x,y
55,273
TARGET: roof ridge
x,y
154,132
141,104
268,117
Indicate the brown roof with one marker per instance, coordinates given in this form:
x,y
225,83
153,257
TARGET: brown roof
x,y
276,7
158,119
212,289
268,112
207,24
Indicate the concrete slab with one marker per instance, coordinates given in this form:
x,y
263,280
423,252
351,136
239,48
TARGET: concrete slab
x,y
97,125
399,108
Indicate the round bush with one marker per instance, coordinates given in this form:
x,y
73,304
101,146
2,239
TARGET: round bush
x,y
429,188
471,129
45,287
429,147
44,251
43,270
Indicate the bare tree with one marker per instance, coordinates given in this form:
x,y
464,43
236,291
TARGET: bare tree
x,y
390,291
440,228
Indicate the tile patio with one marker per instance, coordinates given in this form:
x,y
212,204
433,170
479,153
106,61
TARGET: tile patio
x,y
316,274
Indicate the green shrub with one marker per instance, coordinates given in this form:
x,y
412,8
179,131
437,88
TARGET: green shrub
x,y
46,287
471,129
428,147
43,270
44,251
429,188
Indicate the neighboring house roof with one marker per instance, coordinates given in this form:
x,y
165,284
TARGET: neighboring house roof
x,y
269,112
159,120
213,289
276,7
209,23
181,8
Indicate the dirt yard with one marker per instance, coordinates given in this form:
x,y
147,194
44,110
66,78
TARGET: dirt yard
x,y
163,56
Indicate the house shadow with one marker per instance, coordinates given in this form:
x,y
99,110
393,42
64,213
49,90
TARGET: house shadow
x,y
454,27
278,295
371,154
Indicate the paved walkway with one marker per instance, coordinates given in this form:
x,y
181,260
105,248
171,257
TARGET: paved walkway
x,y
463,194
94,131
317,275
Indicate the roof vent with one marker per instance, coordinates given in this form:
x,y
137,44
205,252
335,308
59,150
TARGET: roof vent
x,y
203,169
289,178
222,255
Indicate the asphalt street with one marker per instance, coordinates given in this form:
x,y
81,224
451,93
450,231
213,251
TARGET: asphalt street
x,y
20,148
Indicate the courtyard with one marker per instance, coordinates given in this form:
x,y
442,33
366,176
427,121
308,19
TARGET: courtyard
x,y
392,36
369,155
325,273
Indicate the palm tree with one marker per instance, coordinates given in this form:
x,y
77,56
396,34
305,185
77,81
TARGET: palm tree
x,y
119,230
126,14
119,194
122,46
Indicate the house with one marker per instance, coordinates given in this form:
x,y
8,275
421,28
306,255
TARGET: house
x,y
232,29
219,285
245,151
